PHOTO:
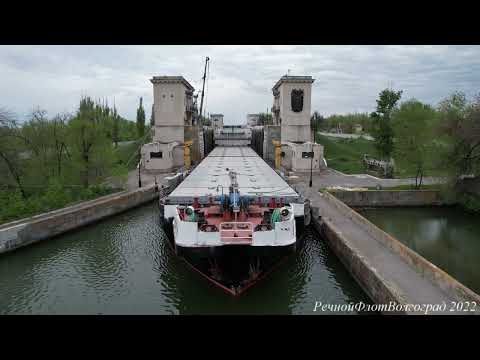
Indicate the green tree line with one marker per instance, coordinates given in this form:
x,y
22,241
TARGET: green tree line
x,y
445,137
48,162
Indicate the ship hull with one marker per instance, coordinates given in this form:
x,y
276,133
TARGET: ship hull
x,y
233,265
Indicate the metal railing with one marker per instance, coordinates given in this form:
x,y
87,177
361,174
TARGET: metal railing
x,y
236,232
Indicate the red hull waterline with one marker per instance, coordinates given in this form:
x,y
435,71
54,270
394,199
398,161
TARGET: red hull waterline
x,y
237,292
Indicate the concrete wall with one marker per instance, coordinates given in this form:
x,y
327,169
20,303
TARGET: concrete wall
x,y
302,165
41,227
168,133
390,198
257,141
178,157
201,143
471,185
170,102
295,126
271,132
298,133
252,119
372,283
368,277
208,140
286,161
163,164
216,120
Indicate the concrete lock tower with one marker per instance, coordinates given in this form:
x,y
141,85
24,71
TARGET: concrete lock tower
x,y
292,112
175,138
217,120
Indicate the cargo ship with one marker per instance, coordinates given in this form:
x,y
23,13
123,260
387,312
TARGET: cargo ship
x,y
234,219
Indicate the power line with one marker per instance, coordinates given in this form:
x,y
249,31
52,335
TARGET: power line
x,y
137,149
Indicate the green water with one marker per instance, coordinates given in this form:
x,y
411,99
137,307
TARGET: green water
x,y
123,266
447,236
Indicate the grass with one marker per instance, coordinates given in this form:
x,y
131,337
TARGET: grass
x,y
55,196
127,153
346,155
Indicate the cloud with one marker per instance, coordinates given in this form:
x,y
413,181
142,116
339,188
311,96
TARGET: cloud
x,y
347,78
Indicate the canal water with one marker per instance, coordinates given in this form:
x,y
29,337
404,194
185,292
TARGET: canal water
x,y
123,266
446,236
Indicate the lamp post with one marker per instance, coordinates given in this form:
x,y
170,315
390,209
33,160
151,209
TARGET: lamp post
x,y
139,167
311,166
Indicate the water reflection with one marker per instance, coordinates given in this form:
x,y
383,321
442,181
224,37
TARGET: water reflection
x,y
124,266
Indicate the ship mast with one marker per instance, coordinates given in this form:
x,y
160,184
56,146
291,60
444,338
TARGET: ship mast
x,y
203,87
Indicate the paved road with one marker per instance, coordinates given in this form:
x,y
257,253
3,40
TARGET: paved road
x,y
132,182
326,178
331,177
347,136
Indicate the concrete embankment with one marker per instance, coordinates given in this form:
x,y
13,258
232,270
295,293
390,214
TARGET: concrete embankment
x,y
40,227
391,198
387,270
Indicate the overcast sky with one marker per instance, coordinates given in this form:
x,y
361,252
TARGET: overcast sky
x,y
347,78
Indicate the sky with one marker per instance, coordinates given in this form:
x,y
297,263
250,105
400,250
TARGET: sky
x,y
240,79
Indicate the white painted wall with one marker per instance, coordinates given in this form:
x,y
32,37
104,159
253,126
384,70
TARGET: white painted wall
x,y
172,156
169,105
301,164
295,126
217,120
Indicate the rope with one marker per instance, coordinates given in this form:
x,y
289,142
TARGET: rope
x,y
138,148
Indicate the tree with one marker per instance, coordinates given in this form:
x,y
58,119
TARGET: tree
x,y
44,159
412,124
316,122
382,129
265,119
11,145
347,122
140,120
152,117
460,123
91,146
39,132
115,128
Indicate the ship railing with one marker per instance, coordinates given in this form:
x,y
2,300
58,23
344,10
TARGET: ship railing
x,y
236,232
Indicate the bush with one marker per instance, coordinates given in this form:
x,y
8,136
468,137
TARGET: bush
x,y
470,203
12,205
56,196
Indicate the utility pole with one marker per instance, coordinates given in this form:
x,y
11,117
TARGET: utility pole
x,y
139,169
311,166
203,87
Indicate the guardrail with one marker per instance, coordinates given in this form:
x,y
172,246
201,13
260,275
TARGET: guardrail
x,y
236,232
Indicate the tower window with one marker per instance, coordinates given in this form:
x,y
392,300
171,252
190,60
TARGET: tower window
x,y
156,155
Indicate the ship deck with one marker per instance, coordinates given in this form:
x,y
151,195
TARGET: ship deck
x,y
255,177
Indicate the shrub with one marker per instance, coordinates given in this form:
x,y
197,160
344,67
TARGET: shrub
x,y
470,202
